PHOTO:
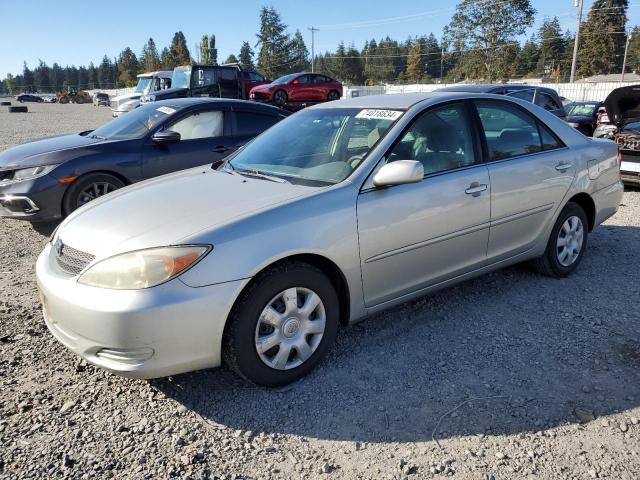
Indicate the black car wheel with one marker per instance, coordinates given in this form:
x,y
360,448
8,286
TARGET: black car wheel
x,y
280,98
89,187
333,95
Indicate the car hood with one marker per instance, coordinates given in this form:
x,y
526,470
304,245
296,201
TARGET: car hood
x,y
168,210
170,93
579,119
265,87
126,96
623,105
41,152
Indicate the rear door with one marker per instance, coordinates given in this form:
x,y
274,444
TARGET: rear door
x,y
248,123
546,101
205,138
531,172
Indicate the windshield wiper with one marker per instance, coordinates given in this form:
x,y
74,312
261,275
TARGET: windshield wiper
x,y
257,174
99,137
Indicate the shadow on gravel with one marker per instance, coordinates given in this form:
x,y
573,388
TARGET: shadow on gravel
x,y
548,352
45,228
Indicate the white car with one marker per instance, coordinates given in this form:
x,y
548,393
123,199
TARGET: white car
x,y
147,83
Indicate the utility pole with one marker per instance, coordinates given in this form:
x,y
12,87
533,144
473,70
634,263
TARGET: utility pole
x,y
624,62
441,63
578,4
313,46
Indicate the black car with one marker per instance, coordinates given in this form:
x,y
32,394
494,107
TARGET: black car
x,y
623,108
583,116
101,99
544,97
27,97
49,178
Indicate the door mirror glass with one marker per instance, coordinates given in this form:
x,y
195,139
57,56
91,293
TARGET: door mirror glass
x,y
166,136
399,173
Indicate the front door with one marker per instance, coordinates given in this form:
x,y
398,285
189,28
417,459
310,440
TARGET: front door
x,y
416,235
203,140
531,172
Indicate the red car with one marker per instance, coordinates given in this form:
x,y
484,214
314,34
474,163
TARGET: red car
x,y
298,88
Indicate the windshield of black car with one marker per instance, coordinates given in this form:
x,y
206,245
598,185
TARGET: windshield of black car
x,y
321,146
581,110
143,84
134,124
285,79
181,78
632,127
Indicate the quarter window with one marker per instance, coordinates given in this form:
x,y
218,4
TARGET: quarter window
x,y
511,132
546,101
440,139
199,125
249,123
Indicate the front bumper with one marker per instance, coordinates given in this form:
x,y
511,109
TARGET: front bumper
x,y
155,332
34,200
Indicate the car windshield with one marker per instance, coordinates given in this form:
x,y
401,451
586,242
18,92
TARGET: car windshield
x,y
632,127
285,79
181,78
143,84
316,146
134,124
581,110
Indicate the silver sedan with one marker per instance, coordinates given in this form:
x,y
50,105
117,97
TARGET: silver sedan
x,y
338,212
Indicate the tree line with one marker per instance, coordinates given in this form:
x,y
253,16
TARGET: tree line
x,y
479,43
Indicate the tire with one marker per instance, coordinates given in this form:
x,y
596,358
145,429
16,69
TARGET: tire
x,y
87,188
19,109
246,328
5,104
333,95
280,98
553,262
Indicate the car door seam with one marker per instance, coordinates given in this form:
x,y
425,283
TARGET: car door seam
x,y
522,214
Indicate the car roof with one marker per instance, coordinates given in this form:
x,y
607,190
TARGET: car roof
x,y
397,100
488,87
181,103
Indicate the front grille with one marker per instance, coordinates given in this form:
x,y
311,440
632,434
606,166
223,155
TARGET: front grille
x,y
69,259
114,104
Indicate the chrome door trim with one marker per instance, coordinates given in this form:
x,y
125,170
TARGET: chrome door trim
x,y
522,214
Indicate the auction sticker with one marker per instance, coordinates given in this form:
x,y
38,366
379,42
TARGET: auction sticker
x,y
167,110
379,114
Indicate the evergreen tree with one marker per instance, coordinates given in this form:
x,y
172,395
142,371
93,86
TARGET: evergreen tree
x,y
414,63
527,59
205,57
353,67
633,55
57,77
92,76
149,60
339,63
246,54
28,79
479,32
8,82
166,60
602,38
551,45
213,51
105,73
83,78
299,55
127,68
231,59
274,43
179,50
43,82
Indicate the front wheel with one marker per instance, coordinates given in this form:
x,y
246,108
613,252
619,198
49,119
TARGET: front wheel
x,y
566,244
333,95
88,188
282,325
280,98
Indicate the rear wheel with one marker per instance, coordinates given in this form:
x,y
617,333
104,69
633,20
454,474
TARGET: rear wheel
x,y
566,244
88,188
282,325
280,98
333,95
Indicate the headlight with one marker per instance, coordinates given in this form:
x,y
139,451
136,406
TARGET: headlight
x,y
33,172
143,268
574,125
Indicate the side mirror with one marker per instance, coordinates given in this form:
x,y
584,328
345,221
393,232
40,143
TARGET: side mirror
x,y
166,136
399,173
295,82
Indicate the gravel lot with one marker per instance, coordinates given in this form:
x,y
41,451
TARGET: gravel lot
x,y
512,375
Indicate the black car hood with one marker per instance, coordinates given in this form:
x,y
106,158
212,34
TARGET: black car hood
x,y
170,93
46,151
623,105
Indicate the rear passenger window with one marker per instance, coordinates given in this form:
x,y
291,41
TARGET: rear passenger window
x,y
441,139
511,132
526,95
546,101
249,123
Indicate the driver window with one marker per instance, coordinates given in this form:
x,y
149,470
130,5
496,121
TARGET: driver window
x,y
199,125
440,139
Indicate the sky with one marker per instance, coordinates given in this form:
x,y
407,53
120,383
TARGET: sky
x,y
81,32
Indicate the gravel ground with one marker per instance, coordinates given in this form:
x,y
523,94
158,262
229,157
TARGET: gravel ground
x,y
511,375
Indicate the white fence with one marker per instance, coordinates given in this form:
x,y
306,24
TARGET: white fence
x,y
573,91
114,92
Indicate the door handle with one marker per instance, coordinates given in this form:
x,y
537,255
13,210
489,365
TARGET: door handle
x,y
220,149
563,167
476,189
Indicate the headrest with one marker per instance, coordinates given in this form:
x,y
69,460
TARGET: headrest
x,y
373,137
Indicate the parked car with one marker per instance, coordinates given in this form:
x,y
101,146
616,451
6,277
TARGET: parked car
x,y
218,81
101,98
49,99
298,88
338,212
147,83
583,116
48,179
544,97
27,97
623,107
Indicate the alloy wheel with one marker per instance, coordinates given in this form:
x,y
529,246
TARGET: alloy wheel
x,y
93,191
280,98
569,242
290,328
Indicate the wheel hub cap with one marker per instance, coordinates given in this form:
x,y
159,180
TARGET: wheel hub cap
x,y
290,327
569,242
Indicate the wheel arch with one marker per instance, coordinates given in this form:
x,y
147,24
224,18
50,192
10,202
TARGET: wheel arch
x,y
117,175
587,204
